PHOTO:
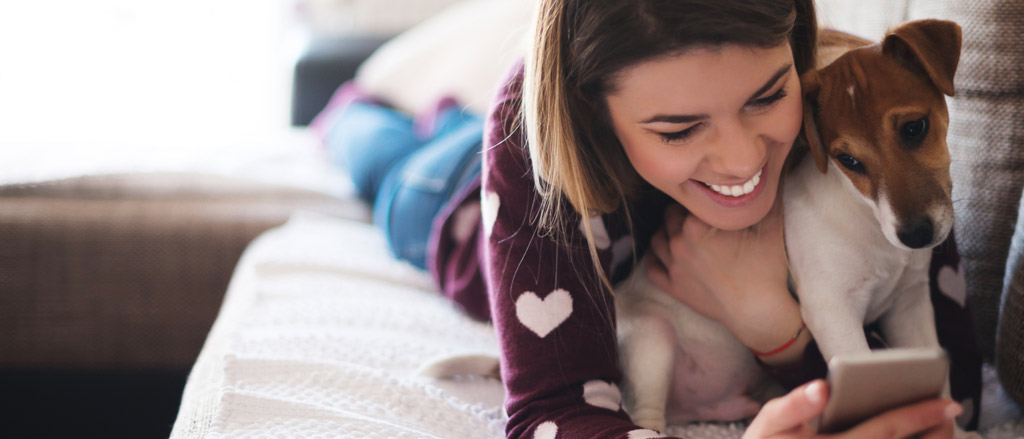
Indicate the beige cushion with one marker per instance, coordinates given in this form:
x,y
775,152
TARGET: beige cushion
x,y
463,52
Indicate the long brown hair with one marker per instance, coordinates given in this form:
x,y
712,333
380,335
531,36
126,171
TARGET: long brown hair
x,y
577,49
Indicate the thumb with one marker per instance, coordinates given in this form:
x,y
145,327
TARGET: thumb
x,y
790,413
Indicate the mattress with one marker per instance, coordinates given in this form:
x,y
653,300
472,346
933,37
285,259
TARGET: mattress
x,y
321,335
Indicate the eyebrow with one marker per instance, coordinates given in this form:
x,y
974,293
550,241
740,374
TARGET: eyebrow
x,y
687,118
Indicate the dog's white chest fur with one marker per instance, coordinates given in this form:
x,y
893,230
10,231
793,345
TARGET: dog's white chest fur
x,y
679,365
847,274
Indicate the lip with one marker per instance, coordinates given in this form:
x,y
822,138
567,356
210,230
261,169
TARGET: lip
x,y
729,201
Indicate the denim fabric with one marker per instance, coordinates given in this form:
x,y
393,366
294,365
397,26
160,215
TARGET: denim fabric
x,y
408,179
414,192
369,140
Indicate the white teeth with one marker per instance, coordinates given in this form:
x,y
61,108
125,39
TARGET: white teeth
x,y
740,189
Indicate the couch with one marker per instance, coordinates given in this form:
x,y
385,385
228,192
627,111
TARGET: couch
x,y
127,272
314,339
110,280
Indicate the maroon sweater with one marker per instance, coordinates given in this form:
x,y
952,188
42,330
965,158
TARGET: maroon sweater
x,y
554,319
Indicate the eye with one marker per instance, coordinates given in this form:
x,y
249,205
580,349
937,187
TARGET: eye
x,y
914,131
768,100
681,135
851,163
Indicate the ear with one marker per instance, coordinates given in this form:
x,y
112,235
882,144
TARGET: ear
x,y
810,84
931,47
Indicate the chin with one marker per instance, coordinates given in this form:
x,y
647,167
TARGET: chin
x,y
733,219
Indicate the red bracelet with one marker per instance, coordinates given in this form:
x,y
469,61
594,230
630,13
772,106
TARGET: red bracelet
x,y
783,347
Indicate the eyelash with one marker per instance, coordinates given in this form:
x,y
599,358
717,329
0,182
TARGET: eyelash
x,y
768,101
757,104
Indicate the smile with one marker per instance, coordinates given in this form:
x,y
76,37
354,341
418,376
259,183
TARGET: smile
x,y
738,190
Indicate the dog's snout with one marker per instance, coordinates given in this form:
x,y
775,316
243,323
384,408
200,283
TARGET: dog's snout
x,y
916,233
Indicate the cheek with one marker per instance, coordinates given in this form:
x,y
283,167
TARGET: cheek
x,y
658,164
788,121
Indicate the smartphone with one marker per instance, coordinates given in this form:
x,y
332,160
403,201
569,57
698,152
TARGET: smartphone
x,y
865,385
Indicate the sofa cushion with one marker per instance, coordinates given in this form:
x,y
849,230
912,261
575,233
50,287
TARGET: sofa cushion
x,y
128,271
461,52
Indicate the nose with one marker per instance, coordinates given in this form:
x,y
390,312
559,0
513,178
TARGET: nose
x,y
916,233
740,151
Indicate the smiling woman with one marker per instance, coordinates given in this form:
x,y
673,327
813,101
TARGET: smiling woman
x,y
727,123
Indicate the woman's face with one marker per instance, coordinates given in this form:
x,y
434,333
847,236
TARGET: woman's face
x,y
711,127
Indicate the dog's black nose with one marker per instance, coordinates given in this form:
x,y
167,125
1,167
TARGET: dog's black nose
x,y
916,233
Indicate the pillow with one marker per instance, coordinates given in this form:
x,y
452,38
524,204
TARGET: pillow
x,y
462,52
1010,344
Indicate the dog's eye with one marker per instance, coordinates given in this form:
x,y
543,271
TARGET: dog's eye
x,y
849,162
912,132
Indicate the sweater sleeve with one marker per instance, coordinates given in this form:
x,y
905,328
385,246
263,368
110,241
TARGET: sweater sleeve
x,y
555,322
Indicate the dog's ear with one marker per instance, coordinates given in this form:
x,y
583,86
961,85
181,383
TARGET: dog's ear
x,y
929,47
810,84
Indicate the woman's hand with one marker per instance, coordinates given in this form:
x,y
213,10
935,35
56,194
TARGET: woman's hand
x,y
736,278
788,417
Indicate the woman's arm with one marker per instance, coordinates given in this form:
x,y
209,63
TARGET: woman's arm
x,y
555,321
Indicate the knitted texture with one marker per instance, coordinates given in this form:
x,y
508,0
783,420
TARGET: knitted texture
x,y
322,333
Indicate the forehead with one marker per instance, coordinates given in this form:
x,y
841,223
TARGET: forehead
x,y
695,76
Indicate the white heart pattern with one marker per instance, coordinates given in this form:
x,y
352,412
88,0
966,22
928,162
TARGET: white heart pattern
x,y
547,430
464,221
543,316
953,284
601,239
644,434
602,394
489,210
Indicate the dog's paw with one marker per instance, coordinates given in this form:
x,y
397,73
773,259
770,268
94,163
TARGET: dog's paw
x,y
650,421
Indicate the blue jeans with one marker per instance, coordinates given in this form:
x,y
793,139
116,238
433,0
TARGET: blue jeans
x,y
407,178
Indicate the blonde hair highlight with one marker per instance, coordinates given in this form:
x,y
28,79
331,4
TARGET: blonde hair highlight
x,y
561,173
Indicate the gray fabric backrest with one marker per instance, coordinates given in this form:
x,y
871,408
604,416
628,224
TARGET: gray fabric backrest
x,y
986,141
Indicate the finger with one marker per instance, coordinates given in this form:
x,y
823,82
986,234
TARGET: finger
x,y
657,274
907,421
674,215
659,246
790,413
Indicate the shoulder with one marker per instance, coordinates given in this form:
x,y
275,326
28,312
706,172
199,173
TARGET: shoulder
x,y
508,171
503,130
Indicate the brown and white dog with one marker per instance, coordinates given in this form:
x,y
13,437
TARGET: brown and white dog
x,y
861,214
863,211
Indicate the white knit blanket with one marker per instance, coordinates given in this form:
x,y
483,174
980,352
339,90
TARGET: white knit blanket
x,y
321,335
